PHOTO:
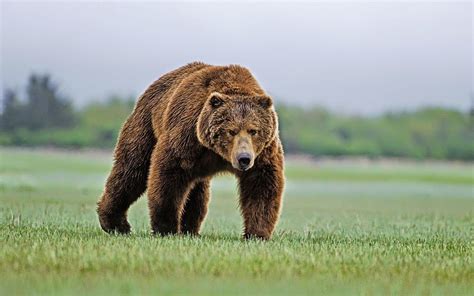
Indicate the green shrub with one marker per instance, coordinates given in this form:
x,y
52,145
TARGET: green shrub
x,y
427,133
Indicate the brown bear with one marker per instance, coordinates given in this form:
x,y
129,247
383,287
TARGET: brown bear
x,y
190,124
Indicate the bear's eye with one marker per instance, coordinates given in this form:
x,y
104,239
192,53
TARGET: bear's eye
x,y
232,133
252,132
216,101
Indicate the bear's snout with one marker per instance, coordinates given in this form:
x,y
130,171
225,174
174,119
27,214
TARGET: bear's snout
x,y
242,153
244,160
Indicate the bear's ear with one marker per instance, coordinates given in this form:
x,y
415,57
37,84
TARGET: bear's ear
x,y
265,102
216,99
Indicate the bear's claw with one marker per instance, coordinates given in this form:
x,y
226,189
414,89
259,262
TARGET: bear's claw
x,y
118,225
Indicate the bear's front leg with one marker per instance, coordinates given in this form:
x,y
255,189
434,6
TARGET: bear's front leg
x,y
168,185
261,190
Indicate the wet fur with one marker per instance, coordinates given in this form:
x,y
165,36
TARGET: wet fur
x,y
175,141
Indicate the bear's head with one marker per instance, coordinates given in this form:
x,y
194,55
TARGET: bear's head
x,y
237,127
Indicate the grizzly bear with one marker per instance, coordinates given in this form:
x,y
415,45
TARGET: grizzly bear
x,y
190,124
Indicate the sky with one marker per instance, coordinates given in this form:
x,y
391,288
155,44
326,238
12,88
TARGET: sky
x,y
351,57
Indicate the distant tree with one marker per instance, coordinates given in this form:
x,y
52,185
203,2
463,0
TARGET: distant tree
x,y
471,113
44,107
12,109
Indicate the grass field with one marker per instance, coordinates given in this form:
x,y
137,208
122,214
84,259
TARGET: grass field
x,y
347,228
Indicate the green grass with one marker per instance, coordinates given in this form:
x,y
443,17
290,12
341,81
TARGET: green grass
x,y
347,228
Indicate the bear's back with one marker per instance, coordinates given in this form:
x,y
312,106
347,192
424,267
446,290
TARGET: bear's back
x,y
176,99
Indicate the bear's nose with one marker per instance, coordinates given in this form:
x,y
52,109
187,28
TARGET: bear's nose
x,y
244,160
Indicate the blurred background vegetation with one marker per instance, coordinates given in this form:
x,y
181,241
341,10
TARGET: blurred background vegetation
x,y
46,118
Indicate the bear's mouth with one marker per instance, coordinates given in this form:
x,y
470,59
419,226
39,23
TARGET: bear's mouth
x,y
242,169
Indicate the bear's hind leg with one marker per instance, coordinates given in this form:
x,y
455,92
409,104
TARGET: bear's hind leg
x,y
195,209
128,178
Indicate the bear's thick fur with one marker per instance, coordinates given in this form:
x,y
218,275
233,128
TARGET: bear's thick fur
x,y
190,124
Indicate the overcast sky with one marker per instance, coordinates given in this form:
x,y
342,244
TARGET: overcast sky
x,y
361,57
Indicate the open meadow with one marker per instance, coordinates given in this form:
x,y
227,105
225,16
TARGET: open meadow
x,y
348,227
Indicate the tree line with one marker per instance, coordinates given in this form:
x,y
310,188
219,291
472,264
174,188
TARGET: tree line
x,y
47,118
